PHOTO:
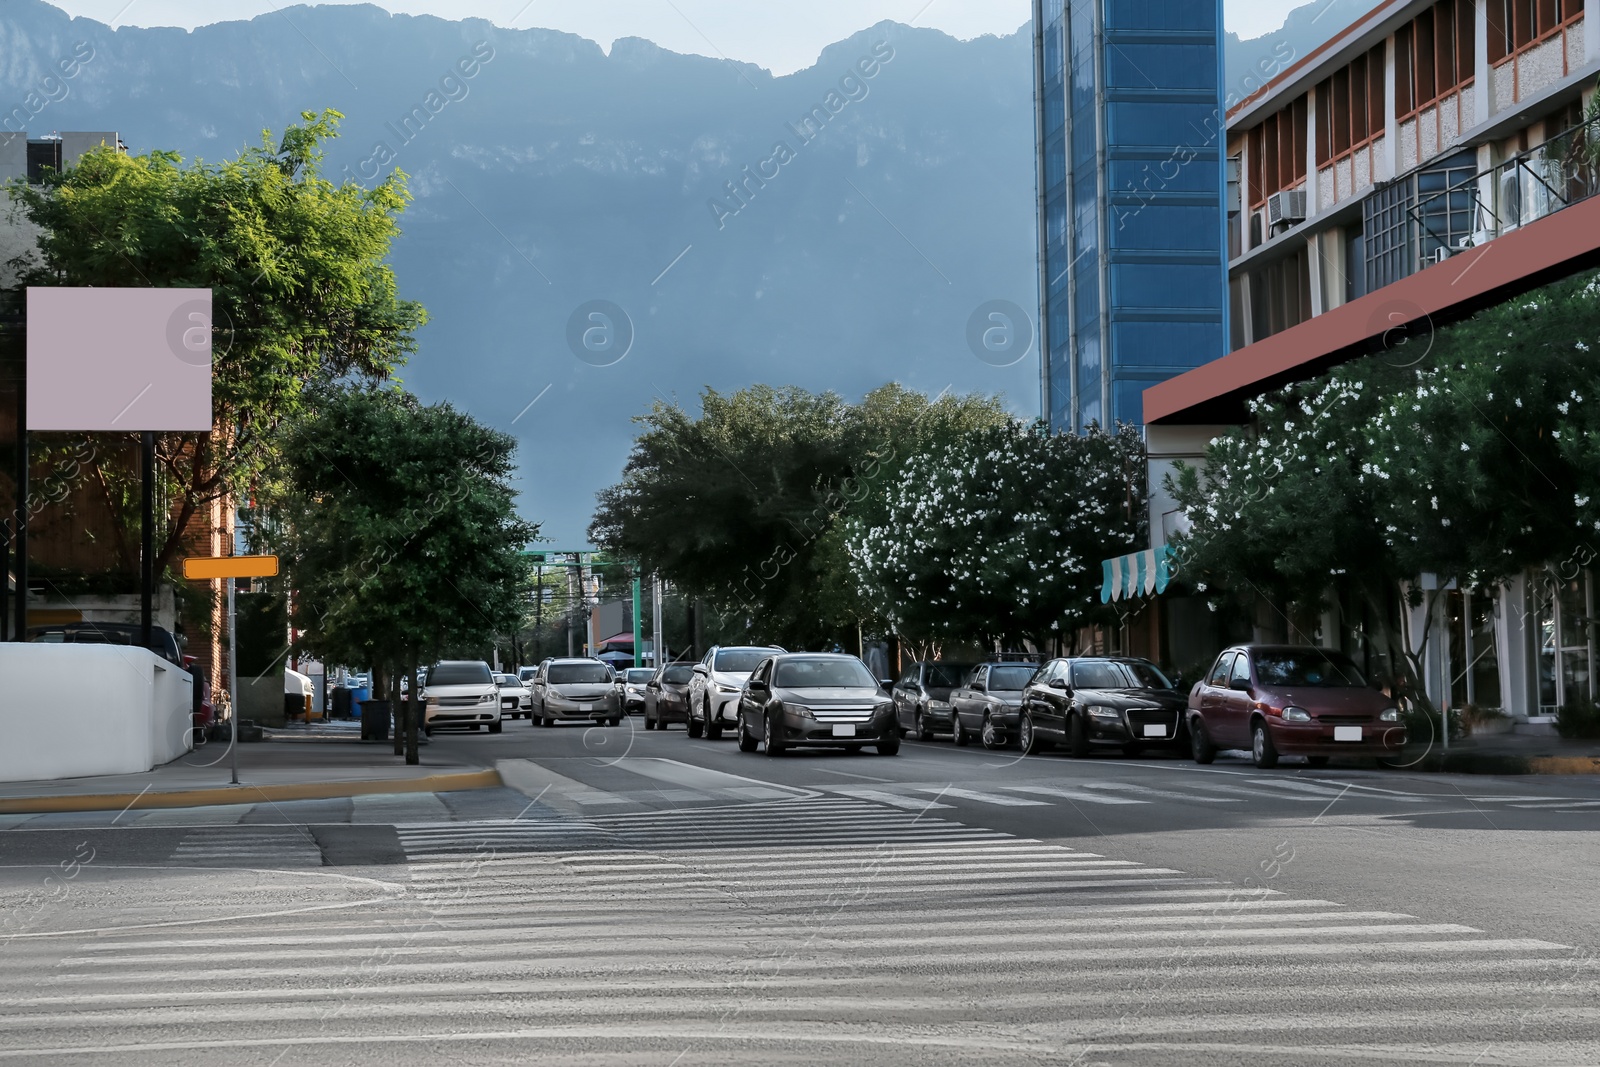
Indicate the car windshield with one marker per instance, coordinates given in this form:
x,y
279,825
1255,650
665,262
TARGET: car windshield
x,y
459,674
947,675
504,679
677,675
1109,674
824,674
1310,668
739,660
579,673
1008,678
638,675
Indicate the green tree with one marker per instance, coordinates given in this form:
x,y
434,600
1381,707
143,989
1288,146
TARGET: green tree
x,y
301,289
398,524
1000,533
736,506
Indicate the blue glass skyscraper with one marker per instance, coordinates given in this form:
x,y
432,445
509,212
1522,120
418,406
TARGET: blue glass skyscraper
x,y
1133,275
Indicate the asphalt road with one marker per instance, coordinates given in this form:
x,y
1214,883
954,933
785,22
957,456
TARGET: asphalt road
x,y
644,898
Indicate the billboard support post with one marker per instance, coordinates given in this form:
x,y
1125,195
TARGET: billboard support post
x,y
147,537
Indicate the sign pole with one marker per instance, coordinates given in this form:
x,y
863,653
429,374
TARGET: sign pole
x,y
147,563
638,624
233,683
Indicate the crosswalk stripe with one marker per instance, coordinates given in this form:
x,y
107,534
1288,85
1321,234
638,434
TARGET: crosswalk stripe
x,y
1070,794
1166,794
984,798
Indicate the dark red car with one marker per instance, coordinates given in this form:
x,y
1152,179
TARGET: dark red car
x,y
1290,700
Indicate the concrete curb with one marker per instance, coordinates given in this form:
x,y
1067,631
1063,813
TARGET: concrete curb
x,y
1502,763
246,794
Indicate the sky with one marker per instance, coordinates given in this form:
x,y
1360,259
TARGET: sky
x,y
781,35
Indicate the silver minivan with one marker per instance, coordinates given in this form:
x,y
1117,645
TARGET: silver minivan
x,y
576,689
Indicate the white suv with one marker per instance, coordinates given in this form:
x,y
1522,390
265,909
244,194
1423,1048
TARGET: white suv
x,y
715,686
461,693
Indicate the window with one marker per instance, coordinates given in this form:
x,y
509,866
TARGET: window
x,y
1433,55
1219,672
1350,107
1241,669
946,675
1008,679
580,674
1517,25
823,674
678,675
1308,668
462,674
1277,149
740,660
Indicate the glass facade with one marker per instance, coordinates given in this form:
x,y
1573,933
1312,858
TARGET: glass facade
x,y
1131,127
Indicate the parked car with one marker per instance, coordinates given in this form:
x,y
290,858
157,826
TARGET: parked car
x,y
461,693
525,674
1089,701
714,689
922,697
162,643
988,703
666,696
1290,700
515,699
630,685
576,689
812,700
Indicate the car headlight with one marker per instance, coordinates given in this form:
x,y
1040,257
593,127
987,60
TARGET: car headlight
x,y
800,710
1296,715
936,703
1390,715
884,708
723,687
1100,711
490,698
633,690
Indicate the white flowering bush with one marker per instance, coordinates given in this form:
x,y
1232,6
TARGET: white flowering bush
x,y
1000,533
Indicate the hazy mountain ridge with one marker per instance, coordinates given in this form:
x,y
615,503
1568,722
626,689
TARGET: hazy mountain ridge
x,y
556,174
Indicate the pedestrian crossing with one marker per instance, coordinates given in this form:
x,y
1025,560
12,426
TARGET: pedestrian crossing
x,y
271,847
830,928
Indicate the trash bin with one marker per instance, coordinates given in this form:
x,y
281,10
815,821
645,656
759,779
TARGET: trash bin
x,y
375,720
341,703
358,697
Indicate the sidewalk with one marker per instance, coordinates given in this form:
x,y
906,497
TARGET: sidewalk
x,y
1515,754
271,770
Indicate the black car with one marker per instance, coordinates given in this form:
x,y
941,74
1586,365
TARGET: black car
x,y
162,643
666,696
922,697
1086,701
815,700
989,702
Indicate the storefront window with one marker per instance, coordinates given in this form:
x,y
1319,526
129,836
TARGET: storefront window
x,y
1474,661
1564,627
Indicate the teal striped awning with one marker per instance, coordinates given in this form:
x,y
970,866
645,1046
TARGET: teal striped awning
x,y
1137,574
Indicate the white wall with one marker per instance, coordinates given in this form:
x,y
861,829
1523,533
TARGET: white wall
x,y
69,711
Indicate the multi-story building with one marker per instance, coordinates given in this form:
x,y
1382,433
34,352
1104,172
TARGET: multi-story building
x,y
1432,159
1130,182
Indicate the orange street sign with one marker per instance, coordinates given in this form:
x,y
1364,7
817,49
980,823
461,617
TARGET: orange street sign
x,y
199,568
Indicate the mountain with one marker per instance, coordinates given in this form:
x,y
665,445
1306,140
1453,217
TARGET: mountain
x,y
556,175
1250,62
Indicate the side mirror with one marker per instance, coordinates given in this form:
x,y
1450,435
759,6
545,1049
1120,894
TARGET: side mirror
x,y
757,687
1058,683
1241,685
701,668
978,687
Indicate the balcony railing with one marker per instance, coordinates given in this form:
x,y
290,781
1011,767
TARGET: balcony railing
x,y
1563,171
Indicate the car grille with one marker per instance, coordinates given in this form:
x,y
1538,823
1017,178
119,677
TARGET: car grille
x,y
458,702
1343,719
1138,718
857,714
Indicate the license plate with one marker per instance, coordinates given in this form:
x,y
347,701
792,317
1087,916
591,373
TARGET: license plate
x,y
1154,729
585,707
1347,733
844,729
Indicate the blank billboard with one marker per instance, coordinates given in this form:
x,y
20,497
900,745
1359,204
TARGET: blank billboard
x,y
119,359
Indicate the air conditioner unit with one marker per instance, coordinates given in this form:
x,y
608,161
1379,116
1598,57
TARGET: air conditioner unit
x,y
1441,253
1287,207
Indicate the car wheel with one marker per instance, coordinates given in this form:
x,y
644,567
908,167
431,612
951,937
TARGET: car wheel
x,y
890,747
547,722
923,732
1077,736
427,731
696,727
649,723
1200,746
774,746
991,737
747,743
1027,740
1262,748
1317,761
958,733
496,727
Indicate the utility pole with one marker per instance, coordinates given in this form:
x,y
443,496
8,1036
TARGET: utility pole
x,y
638,624
538,615
661,659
